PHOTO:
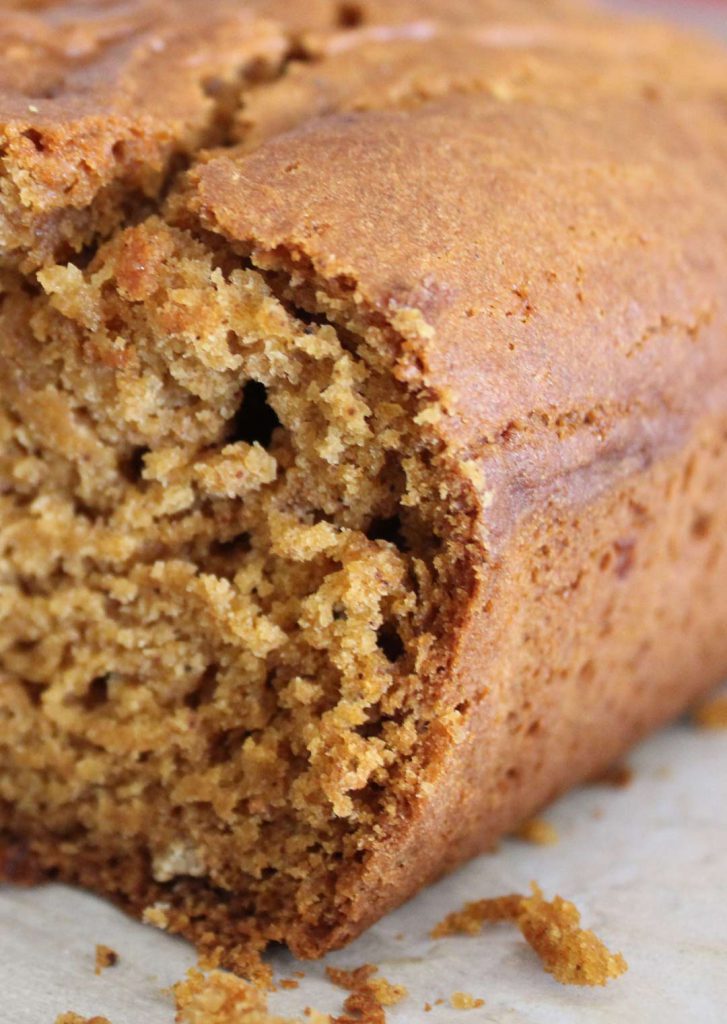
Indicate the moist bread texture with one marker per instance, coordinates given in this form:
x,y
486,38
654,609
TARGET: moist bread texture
x,y
363,422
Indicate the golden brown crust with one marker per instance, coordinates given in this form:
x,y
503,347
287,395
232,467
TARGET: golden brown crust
x,y
100,101
96,109
480,215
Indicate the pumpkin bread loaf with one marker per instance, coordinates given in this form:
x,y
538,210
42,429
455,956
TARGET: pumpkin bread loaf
x,y
363,438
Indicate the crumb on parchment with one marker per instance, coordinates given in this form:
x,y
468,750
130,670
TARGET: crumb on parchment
x,y
221,998
369,994
538,831
573,955
244,957
76,1018
217,997
465,1001
105,957
470,919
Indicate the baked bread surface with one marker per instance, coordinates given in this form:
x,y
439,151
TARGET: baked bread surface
x,y
363,372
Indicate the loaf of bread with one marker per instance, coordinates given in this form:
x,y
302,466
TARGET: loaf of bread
x,y
363,437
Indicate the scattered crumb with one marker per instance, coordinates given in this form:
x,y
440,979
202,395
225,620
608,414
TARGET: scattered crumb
x,y
157,915
427,1007
299,974
75,1018
573,955
617,775
464,1001
289,983
712,714
473,916
244,959
538,831
369,995
105,957
386,993
221,998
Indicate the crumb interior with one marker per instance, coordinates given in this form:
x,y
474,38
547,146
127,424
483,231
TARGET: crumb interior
x,y
223,568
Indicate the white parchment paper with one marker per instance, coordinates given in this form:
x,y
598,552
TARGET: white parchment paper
x,y
646,865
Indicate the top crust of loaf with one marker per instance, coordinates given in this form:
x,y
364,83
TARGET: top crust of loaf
x,y
99,100
521,163
486,195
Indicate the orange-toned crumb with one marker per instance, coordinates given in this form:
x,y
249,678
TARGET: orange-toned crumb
x,y
573,955
353,979
243,959
427,1007
470,919
221,998
105,957
617,775
289,983
369,995
386,993
712,714
75,1018
464,1001
538,831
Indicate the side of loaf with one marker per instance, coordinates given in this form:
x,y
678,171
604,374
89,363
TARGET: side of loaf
x,y
363,475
